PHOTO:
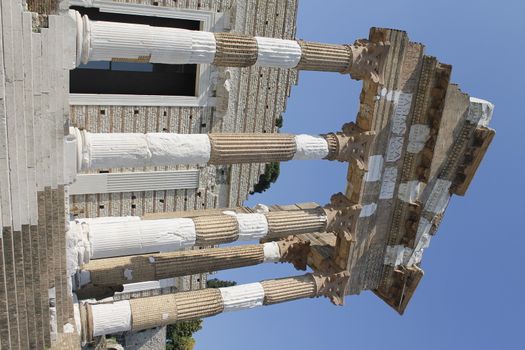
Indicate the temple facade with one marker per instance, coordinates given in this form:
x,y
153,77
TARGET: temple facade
x,y
144,127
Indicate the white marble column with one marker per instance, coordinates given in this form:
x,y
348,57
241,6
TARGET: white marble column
x,y
108,41
143,313
108,237
133,150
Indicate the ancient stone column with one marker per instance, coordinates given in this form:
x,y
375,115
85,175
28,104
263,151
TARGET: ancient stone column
x,y
111,41
108,237
133,150
141,268
143,313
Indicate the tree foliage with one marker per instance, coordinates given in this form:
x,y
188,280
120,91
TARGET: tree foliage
x,y
216,283
279,121
271,173
179,336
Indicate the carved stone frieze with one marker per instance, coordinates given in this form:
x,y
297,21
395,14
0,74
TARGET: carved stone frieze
x,y
295,251
368,60
352,143
333,286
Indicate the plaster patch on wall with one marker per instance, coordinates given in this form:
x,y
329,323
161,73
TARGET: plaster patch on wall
x,y
410,192
390,95
375,168
480,112
394,255
368,210
401,111
128,274
422,242
395,149
423,228
439,197
417,254
419,134
388,186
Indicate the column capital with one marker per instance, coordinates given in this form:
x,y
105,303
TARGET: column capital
x,y
350,144
333,286
295,251
367,60
342,214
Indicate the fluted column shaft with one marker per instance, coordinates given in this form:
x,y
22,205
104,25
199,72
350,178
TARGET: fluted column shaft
x,y
142,268
288,289
295,222
143,313
134,150
251,148
216,229
107,41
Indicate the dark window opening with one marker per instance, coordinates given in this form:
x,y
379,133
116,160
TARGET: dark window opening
x,y
134,78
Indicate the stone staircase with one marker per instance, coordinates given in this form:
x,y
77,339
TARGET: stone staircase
x,y
36,308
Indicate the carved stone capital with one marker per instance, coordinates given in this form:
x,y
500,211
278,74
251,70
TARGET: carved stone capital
x,y
332,286
341,214
342,250
352,143
295,251
368,60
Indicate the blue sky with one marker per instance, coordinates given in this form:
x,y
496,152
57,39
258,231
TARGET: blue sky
x,y
471,295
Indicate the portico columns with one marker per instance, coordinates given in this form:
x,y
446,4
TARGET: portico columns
x,y
142,268
144,313
108,237
131,150
111,41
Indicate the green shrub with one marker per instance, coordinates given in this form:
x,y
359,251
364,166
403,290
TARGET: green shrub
x,y
271,173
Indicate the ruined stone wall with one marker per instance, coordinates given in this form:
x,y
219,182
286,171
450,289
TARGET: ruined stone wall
x,y
248,100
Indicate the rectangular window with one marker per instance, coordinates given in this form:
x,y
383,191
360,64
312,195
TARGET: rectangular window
x,y
135,78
